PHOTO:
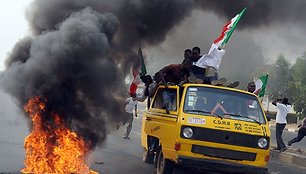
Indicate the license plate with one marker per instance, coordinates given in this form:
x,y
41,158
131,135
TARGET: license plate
x,y
193,120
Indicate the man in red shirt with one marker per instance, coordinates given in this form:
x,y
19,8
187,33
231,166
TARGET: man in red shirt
x,y
174,74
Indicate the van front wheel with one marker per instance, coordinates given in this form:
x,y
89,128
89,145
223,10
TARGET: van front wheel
x,y
164,166
147,157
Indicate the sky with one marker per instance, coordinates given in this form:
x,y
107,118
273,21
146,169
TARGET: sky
x,y
13,26
264,43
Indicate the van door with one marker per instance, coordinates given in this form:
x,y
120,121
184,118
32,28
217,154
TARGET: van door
x,y
165,103
161,118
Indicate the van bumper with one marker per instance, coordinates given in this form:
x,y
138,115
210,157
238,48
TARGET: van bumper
x,y
220,166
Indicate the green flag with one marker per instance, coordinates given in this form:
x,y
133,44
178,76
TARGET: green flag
x,y
228,29
261,84
143,69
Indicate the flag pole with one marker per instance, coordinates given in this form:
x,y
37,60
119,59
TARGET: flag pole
x,y
233,28
253,77
143,69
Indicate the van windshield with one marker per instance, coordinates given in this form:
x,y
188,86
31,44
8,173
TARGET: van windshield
x,y
223,103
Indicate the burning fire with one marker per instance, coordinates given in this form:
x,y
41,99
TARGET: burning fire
x,y
51,147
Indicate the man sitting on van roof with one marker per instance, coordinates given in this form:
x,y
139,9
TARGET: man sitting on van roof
x,y
187,54
211,62
174,74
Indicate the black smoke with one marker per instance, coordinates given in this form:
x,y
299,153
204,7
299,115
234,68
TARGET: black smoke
x,y
72,68
259,12
80,51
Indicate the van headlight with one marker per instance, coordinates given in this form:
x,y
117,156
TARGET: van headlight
x,y
262,142
187,132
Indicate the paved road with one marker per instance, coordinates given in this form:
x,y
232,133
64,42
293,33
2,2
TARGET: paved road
x,y
122,156
119,156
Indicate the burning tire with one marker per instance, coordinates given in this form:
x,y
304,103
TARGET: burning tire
x,y
147,157
164,166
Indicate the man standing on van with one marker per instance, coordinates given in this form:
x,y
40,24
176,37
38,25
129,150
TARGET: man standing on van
x,y
131,103
283,107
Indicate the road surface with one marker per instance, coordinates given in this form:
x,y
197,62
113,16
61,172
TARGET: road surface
x,y
116,156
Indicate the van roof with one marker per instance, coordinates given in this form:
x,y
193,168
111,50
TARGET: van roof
x,y
217,87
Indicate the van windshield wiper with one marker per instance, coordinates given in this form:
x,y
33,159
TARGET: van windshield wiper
x,y
238,115
203,111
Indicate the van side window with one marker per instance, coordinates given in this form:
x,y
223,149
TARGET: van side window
x,y
165,99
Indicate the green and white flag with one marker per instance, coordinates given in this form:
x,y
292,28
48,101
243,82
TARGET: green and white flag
x,y
228,29
143,69
261,84
137,72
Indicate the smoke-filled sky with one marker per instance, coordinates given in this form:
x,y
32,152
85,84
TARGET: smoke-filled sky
x,y
282,35
78,52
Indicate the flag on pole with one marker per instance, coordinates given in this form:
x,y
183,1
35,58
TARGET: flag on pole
x,y
228,29
143,69
137,72
261,84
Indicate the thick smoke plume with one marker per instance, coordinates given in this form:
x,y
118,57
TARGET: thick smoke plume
x,y
81,50
259,12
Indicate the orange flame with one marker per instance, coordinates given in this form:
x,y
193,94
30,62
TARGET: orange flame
x,y
53,148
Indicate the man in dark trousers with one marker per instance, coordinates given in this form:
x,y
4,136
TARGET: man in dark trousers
x,y
301,133
283,107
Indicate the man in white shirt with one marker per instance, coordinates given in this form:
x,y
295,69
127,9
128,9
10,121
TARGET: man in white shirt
x,y
211,62
131,103
283,107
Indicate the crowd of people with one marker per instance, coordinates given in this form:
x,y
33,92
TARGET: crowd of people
x,y
203,69
195,68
